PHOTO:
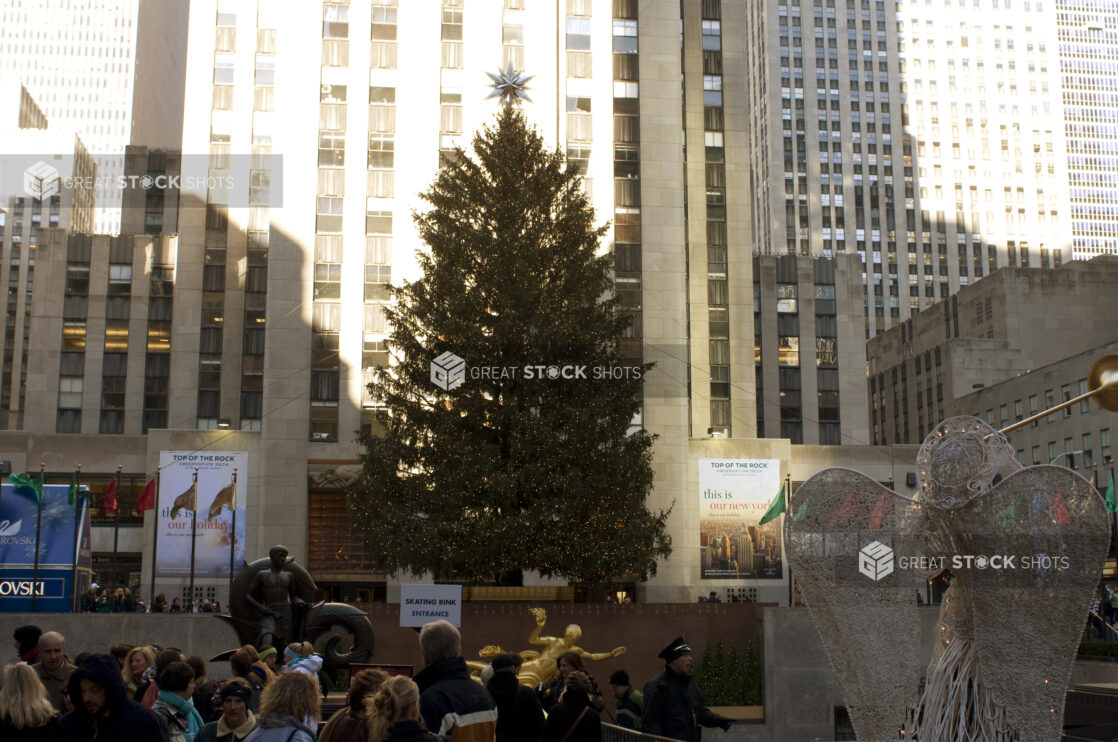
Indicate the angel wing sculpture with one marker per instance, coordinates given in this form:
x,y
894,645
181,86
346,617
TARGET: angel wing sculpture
x,y
1025,548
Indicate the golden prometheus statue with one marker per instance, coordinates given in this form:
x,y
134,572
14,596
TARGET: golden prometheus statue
x,y
540,667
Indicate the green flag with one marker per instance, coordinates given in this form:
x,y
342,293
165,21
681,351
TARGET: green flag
x,y
1111,504
803,509
776,507
28,482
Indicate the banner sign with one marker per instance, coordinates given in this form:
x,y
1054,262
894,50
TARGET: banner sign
x,y
53,586
212,498
421,604
733,495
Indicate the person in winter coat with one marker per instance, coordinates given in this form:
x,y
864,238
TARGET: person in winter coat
x,y
351,724
574,719
175,703
26,712
394,713
204,690
241,665
289,710
630,701
301,658
236,721
53,670
673,705
567,663
450,702
519,716
27,643
136,662
148,691
102,710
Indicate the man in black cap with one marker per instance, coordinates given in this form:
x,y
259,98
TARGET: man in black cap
x,y
673,705
630,701
519,715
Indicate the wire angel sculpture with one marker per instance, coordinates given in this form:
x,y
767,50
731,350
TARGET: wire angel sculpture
x,y
1025,547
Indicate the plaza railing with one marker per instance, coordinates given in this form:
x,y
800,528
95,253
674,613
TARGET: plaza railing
x,y
614,733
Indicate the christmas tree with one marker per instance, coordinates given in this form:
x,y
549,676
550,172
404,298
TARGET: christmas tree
x,y
509,466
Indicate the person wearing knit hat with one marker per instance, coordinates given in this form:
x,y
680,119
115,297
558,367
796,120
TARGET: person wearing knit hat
x,y
27,643
630,701
673,705
236,719
268,656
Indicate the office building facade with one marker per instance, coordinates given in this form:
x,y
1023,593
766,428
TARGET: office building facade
x,y
1088,31
31,202
930,145
1010,324
78,60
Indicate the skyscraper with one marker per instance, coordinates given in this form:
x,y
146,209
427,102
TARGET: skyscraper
x,y
925,138
78,60
32,201
1088,32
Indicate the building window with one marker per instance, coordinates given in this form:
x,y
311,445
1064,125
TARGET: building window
x,y
331,149
383,55
384,24
335,21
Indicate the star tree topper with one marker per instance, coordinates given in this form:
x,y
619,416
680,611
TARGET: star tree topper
x,y
510,85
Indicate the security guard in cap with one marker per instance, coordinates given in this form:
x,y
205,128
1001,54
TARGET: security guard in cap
x,y
673,705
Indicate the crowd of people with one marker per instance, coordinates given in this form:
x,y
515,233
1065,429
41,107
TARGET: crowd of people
x,y
99,599
154,693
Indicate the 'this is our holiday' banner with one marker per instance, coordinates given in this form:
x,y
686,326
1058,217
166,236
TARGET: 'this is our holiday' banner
x,y
211,499
733,495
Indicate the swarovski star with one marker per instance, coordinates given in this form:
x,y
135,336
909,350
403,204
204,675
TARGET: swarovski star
x,y
510,85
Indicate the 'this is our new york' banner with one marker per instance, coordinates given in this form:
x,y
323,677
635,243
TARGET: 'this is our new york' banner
x,y
733,496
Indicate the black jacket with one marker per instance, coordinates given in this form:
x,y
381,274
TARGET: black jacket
x,y
121,719
554,690
9,733
452,703
563,716
204,697
519,716
674,707
411,731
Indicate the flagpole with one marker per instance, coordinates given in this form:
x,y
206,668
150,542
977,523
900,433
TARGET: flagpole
x,y
77,523
788,514
193,540
38,535
155,536
232,537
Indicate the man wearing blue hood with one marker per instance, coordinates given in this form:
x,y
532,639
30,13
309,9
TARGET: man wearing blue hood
x,y
102,709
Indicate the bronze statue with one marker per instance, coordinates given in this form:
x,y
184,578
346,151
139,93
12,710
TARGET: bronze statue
x,y
541,667
273,602
276,601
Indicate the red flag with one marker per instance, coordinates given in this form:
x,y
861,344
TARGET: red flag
x,y
883,508
845,512
108,502
1063,517
147,497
